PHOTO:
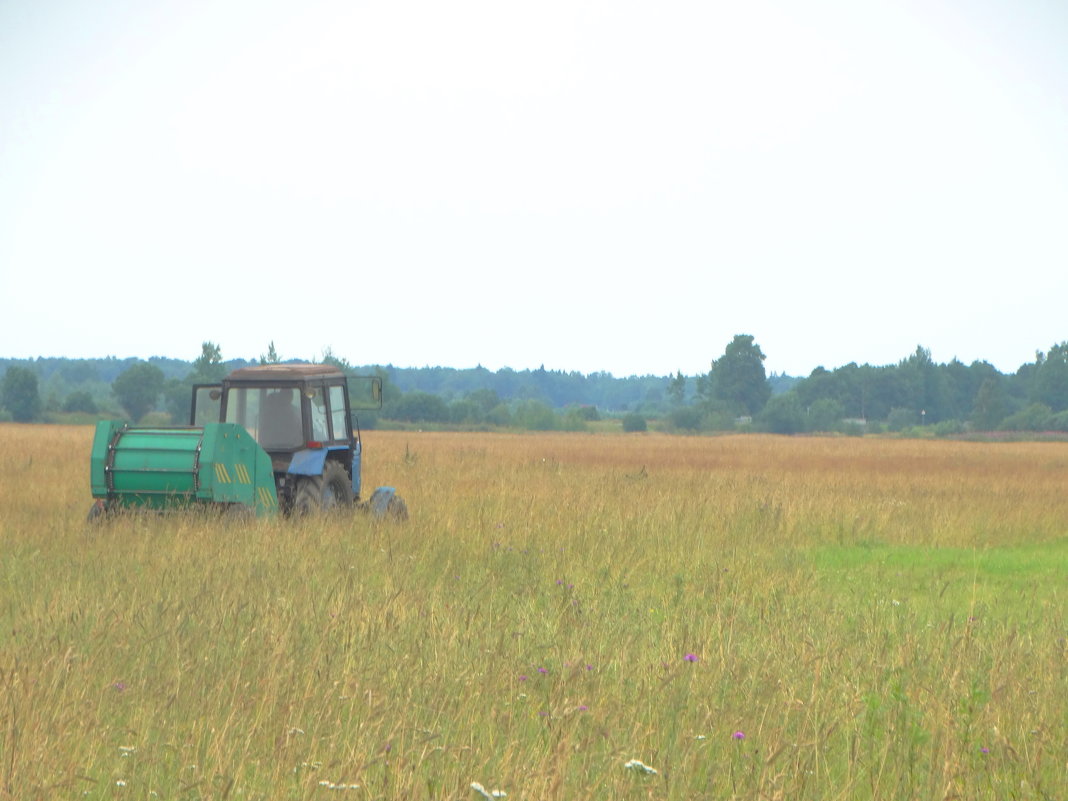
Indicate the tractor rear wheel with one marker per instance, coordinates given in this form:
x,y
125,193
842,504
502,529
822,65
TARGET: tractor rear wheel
x,y
331,490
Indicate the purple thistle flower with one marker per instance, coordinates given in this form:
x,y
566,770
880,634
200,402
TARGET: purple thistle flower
x,y
543,671
739,735
984,750
583,708
690,657
119,686
523,677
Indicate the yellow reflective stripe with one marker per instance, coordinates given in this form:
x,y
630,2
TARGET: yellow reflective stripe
x,y
242,474
222,475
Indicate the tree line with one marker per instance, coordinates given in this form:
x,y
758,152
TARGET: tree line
x,y
946,399
51,388
735,393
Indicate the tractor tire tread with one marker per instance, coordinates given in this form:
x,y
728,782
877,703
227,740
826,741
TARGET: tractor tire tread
x,y
311,492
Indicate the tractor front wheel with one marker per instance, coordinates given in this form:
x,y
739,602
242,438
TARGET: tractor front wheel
x,y
97,512
397,509
325,492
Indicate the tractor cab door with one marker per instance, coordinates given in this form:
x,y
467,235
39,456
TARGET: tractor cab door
x,y
364,394
207,404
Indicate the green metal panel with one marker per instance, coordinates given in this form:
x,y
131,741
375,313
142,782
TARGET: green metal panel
x,y
163,468
235,469
105,432
159,464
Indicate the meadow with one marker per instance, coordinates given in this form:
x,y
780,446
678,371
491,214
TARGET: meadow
x,y
564,616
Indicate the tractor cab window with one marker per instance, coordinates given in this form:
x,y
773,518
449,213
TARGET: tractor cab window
x,y
207,399
317,403
338,418
243,408
270,415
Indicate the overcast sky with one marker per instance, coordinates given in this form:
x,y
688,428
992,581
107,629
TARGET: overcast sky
x,y
585,184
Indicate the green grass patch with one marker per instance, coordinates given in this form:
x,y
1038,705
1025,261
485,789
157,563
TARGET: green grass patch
x,y
1019,563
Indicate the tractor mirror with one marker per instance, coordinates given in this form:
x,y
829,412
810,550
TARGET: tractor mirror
x,y
365,392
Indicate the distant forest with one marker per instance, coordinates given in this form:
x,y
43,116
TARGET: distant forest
x,y
914,395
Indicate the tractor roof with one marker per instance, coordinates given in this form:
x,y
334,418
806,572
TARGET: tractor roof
x,y
285,372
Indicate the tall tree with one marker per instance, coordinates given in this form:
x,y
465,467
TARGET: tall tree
x,y
926,387
138,388
990,404
1049,384
19,394
331,358
676,390
208,367
738,378
271,357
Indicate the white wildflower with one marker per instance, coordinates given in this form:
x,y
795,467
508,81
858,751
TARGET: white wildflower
x,y
120,783
640,767
488,794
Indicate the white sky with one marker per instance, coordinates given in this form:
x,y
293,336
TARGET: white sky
x,y
616,185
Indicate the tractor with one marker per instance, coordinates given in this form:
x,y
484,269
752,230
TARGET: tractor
x,y
270,439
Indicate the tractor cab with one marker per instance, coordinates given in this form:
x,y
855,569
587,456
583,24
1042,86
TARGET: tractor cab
x,y
303,416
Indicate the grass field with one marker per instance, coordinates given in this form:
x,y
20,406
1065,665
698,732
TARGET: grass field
x,y
749,617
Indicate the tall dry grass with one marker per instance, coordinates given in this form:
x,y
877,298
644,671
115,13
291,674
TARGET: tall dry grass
x,y
752,617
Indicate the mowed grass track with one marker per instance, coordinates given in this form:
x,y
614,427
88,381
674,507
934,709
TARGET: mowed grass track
x,y
752,617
